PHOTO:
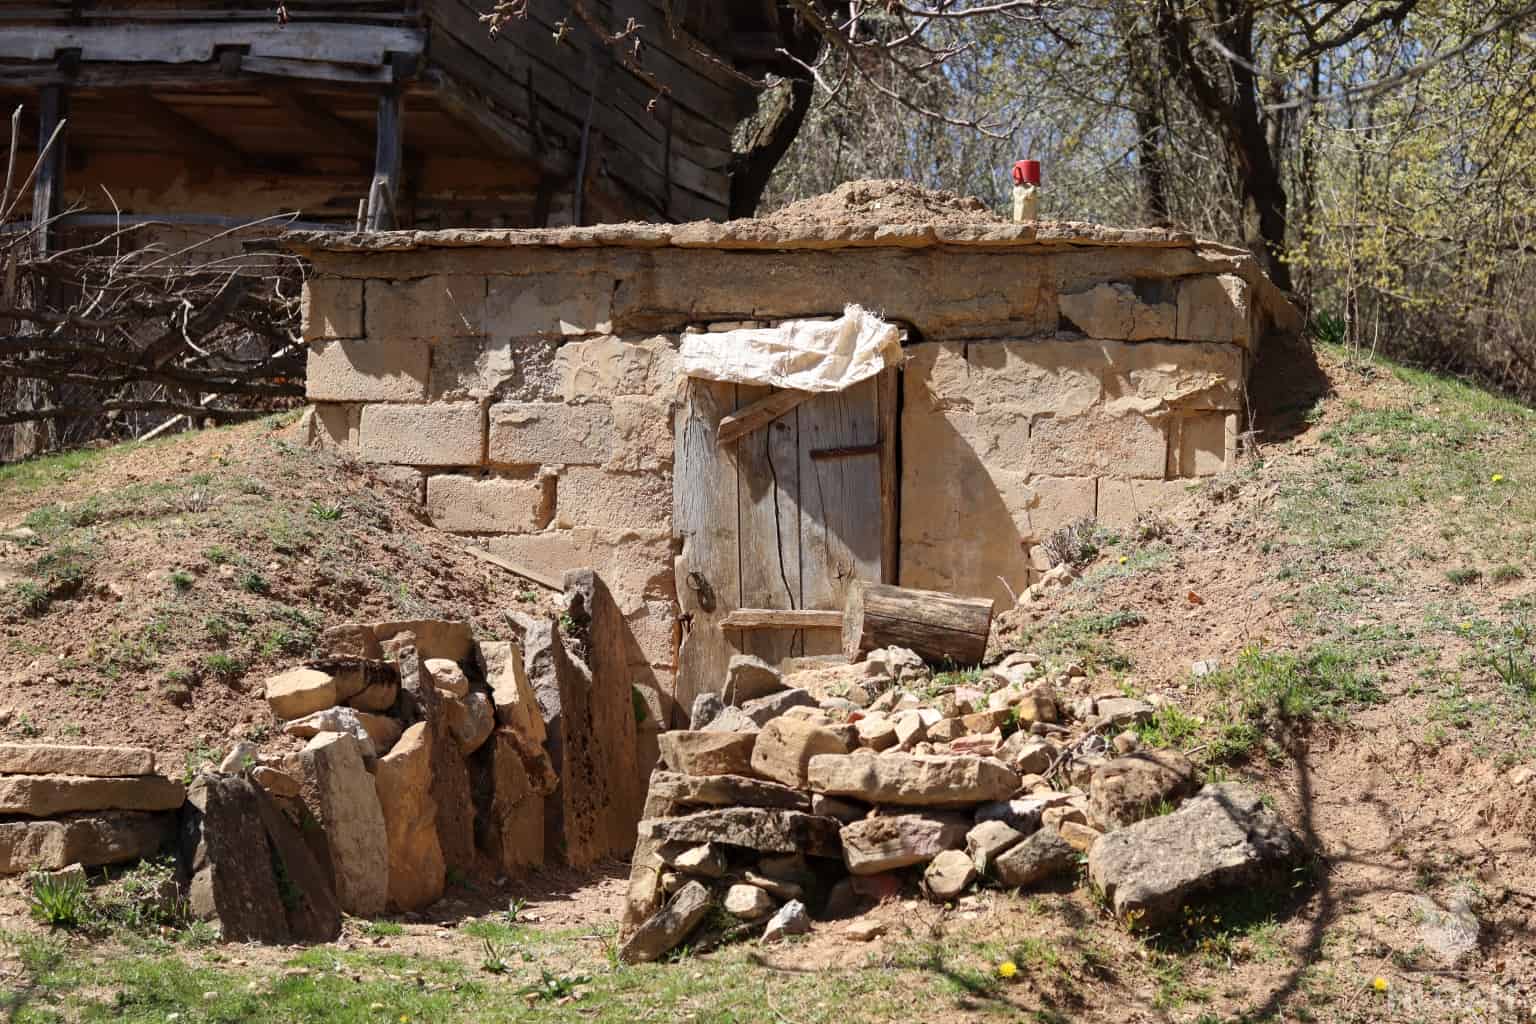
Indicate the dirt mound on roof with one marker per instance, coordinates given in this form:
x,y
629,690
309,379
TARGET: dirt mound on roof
x,y
882,202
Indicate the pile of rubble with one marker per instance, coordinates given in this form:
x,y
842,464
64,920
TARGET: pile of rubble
x,y
429,754
809,792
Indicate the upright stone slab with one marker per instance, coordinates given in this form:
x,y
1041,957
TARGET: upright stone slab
x,y
244,864
404,782
341,795
512,778
577,813
451,792
592,610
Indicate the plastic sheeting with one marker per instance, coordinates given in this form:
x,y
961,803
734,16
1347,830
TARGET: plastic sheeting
x,y
802,355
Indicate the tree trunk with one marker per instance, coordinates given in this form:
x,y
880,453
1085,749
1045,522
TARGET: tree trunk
x,y
939,627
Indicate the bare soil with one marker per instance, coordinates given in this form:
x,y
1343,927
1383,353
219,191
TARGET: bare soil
x,y
208,562
881,202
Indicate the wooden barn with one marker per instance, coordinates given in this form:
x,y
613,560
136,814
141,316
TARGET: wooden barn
x,y
401,113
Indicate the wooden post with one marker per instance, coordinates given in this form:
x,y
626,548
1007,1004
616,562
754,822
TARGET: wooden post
x,y
52,108
384,193
939,627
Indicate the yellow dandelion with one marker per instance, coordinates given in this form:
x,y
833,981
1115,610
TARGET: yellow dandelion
x,y
1466,625
1007,969
1379,983
1498,478
1123,559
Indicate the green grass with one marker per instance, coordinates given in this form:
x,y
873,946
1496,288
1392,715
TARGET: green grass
x,y
1084,639
1268,692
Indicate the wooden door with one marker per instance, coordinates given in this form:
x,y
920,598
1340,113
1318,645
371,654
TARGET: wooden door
x,y
778,522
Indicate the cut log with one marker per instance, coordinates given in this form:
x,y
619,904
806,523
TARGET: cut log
x,y
939,627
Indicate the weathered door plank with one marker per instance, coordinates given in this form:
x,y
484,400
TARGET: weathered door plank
x,y
768,485
704,520
841,532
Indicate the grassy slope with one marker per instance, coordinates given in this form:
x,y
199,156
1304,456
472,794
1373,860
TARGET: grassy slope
x,y
168,579
1365,587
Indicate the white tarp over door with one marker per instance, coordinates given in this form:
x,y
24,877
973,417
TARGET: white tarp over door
x,y
800,355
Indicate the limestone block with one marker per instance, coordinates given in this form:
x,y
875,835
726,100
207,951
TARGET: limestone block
x,y
439,434
756,828
371,370
1153,377
680,790
50,759
642,435
1097,444
1041,504
440,306
43,796
936,375
945,294
785,747
350,640
636,564
1132,787
433,638
464,504
913,780
532,433
1059,378
404,783
1039,857
599,369
510,369
1080,269
515,704
331,307
340,793
589,496
91,839
896,841
653,629
668,926
470,720
1222,838
334,427
549,304
299,692
708,753
1121,501
1215,309
1115,310
1206,444
513,829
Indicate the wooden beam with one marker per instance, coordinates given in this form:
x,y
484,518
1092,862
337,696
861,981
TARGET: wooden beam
x,y
53,107
517,570
504,135
759,414
782,618
186,133
384,193
308,113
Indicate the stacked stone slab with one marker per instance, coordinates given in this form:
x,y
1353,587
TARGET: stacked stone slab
x,y
431,753
63,805
519,384
855,786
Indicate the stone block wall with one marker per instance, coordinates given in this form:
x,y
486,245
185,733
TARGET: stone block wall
x,y
521,384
